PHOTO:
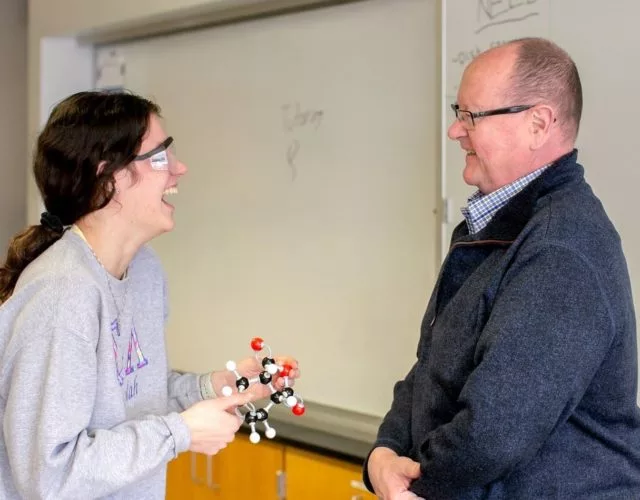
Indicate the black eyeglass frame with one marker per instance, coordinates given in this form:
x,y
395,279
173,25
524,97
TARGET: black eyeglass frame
x,y
163,146
492,112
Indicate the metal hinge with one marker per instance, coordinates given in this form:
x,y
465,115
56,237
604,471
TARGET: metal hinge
x,y
446,210
194,477
281,485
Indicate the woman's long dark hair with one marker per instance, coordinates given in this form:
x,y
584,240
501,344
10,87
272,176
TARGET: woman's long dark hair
x,y
84,131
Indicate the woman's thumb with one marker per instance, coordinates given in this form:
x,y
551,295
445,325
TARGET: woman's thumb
x,y
236,399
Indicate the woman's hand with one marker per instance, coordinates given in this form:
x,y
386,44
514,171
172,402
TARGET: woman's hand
x,y
283,370
212,423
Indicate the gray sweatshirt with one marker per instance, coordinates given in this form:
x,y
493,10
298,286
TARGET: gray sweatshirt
x,y
89,407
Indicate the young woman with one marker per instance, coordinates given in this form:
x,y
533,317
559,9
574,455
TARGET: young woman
x,y
89,407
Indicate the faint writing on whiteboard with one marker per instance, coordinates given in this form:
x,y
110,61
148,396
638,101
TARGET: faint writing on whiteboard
x,y
296,121
492,13
474,26
495,12
465,56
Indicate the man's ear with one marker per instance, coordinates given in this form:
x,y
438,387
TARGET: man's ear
x,y
542,120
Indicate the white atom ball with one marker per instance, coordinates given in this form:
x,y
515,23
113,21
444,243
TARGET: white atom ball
x,y
292,401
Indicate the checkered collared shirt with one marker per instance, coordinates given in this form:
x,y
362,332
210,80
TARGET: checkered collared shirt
x,y
481,208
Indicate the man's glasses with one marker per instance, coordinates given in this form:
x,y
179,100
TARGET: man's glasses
x,y
163,156
468,118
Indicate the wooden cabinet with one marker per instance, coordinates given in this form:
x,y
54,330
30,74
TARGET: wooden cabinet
x,y
242,470
245,470
178,477
311,476
190,477
266,471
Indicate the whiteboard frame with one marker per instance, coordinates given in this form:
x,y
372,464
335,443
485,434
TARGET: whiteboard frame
x,y
213,13
445,209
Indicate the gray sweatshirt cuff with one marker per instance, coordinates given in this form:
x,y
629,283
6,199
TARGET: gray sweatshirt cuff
x,y
206,386
179,432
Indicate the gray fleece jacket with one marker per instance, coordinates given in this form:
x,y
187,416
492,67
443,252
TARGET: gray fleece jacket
x,y
525,382
88,405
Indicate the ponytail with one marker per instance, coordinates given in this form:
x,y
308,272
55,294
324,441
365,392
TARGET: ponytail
x,y
24,248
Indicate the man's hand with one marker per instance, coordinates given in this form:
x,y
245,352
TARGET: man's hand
x,y
391,475
211,422
407,495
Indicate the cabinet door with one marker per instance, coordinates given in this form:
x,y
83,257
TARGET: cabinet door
x,y
189,477
251,471
240,471
178,477
311,476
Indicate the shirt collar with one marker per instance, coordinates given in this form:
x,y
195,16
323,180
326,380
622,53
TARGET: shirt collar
x,y
481,208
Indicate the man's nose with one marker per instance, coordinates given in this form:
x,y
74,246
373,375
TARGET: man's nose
x,y
456,130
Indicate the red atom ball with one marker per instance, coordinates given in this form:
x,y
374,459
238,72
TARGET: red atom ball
x,y
298,410
286,370
257,343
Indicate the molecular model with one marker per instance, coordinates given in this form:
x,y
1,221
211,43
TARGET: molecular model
x,y
286,395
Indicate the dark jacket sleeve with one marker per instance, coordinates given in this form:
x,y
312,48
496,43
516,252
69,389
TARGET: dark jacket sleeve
x,y
395,429
548,331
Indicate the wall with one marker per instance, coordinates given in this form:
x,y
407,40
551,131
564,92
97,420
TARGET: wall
x,y
13,123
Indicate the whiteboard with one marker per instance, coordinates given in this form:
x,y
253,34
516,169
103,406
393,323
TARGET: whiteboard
x,y
603,42
308,216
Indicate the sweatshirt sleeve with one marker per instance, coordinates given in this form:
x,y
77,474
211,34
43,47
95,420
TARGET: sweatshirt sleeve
x,y
185,389
549,330
52,451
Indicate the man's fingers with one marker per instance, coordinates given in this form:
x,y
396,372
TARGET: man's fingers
x,y
407,495
294,373
280,383
290,362
410,468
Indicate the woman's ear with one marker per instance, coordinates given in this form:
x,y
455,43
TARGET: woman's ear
x,y
100,168
123,178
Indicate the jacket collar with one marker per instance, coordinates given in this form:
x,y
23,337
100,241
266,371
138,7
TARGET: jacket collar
x,y
509,221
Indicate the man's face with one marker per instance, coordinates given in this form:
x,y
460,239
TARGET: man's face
x,y
497,146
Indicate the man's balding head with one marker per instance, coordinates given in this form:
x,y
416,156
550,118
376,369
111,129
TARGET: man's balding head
x,y
518,108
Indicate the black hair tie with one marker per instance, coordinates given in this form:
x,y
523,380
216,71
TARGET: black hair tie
x,y
52,222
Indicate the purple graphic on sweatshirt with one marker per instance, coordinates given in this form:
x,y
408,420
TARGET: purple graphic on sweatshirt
x,y
133,348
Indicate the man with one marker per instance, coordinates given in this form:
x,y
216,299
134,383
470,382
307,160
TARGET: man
x,y
525,382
